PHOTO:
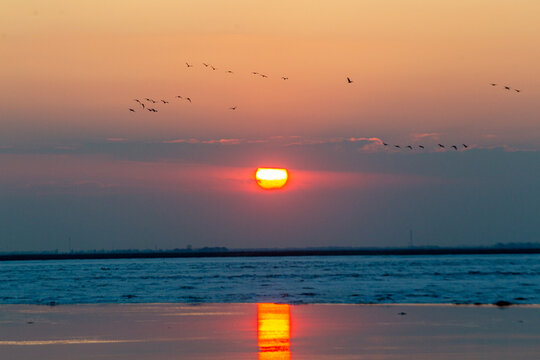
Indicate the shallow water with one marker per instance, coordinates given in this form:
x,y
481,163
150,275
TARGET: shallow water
x,y
316,279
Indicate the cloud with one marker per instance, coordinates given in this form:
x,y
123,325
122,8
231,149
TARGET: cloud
x,y
210,141
180,141
422,136
278,140
223,141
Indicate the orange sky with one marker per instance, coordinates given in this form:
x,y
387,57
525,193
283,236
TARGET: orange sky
x,y
70,70
76,163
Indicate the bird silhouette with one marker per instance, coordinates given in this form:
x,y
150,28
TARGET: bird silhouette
x,y
441,145
205,64
147,99
255,73
385,144
517,90
507,87
349,81
285,78
142,105
179,97
409,146
213,68
132,110
465,146
492,84
188,99
233,107
189,65
421,147
230,72
264,76
454,146
137,100
164,101
399,147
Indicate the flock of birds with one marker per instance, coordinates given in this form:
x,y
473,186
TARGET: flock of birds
x,y
506,87
147,104
422,147
256,73
188,65
144,106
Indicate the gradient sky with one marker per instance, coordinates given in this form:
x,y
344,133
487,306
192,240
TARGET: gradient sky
x,y
76,163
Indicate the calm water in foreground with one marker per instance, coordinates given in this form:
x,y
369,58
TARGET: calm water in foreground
x,y
295,280
268,332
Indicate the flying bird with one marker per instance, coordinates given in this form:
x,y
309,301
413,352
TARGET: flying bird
x,y
164,101
285,78
137,100
255,73
492,84
507,87
399,147
517,90
349,81
264,76
230,72
189,65
454,146
213,68
142,105
421,147
465,146
179,97
385,144
409,146
233,107
132,110
441,145
205,64
188,99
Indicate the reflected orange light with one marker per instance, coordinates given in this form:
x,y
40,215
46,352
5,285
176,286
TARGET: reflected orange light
x,y
274,331
270,178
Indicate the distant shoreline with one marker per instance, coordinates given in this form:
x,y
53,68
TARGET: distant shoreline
x,y
265,253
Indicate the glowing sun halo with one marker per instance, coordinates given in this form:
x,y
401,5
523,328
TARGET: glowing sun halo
x,y
269,178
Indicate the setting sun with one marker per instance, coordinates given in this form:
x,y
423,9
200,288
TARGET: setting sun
x,y
269,178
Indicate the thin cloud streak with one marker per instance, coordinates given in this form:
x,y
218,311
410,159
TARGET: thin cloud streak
x,y
278,140
430,136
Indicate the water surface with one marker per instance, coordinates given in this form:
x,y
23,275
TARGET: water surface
x,y
295,280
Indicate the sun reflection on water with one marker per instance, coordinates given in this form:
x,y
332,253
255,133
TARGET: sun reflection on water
x,y
274,331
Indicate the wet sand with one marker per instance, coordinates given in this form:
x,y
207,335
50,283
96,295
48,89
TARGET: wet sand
x,y
268,332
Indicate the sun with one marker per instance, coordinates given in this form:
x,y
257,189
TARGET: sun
x,y
270,178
